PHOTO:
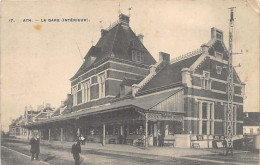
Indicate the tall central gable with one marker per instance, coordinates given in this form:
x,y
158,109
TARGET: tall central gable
x,y
118,41
125,42
216,45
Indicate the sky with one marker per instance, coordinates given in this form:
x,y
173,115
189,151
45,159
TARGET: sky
x,y
39,58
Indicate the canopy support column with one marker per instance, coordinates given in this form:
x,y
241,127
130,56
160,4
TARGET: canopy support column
x,y
146,132
49,134
104,135
61,134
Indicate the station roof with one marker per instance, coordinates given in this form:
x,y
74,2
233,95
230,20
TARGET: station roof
x,y
145,102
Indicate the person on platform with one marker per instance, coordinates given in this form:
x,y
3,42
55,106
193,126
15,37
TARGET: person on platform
x,y
224,143
76,149
35,147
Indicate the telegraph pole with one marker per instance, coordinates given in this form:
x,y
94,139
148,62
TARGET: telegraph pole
x,y
230,86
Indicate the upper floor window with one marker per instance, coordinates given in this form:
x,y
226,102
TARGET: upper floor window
x,y
137,56
74,94
86,91
219,69
102,85
132,43
79,86
79,94
205,81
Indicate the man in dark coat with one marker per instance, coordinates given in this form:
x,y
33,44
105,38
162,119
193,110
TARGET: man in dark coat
x,y
76,149
35,147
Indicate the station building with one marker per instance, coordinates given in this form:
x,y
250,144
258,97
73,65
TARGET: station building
x,y
122,95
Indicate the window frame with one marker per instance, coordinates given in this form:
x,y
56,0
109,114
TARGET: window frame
x,y
205,81
137,56
102,84
74,94
219,69
86,91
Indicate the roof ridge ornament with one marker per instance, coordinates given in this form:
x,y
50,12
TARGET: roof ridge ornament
x,y
119,11
187,55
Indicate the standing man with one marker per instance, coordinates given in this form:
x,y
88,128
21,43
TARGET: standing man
x,y
76,149
35,147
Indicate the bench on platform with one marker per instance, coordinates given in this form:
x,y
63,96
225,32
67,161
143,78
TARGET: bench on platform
x,y
169,142
139,142
129,141
112,141
195,145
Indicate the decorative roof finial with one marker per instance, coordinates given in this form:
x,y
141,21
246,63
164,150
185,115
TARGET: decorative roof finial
x,y
92,42
119,11
129,11
101,26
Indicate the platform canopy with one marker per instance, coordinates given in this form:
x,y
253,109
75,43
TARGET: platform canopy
x,y
163,105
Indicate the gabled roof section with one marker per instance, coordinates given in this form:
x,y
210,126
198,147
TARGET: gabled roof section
x,y
145,102
170,74
217,46
115,42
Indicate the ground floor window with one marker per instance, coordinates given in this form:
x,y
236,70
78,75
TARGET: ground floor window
x,y
174,128
136,128
109,129
204,127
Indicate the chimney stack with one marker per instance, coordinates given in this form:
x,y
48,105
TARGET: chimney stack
x,y
205,49
103,32
141,37
164,57
124,19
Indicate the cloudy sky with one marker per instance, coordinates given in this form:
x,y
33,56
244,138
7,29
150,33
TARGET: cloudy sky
x,y
39,58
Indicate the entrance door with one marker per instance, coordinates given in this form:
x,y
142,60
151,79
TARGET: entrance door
x,y
161,133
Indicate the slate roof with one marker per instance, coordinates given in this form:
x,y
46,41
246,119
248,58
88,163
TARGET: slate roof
x,y
116,43
145,102
130,82
170,74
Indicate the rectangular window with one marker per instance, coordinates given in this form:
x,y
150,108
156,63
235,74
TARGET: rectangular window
x,y
205,81
74,94
219,69
79,94
102,90
251,131
137,56
204,110
204,127
87,91
132,43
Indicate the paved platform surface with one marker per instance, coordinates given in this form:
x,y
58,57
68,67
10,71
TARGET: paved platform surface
x,y
9,157
94,153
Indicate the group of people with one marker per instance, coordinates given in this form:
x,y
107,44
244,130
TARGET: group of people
x,y
75,150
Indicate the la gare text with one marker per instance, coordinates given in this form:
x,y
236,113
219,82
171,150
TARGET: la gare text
x,y
58,20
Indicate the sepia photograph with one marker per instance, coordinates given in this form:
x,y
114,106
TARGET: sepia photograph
x,y
112,82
